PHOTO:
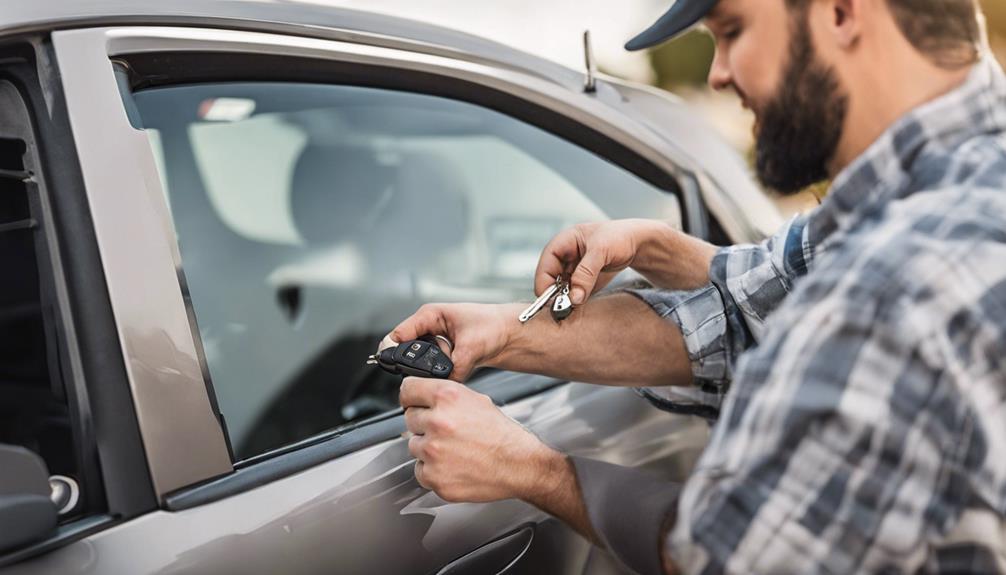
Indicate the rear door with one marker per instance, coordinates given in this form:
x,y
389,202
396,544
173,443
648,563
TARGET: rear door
x,y
268,207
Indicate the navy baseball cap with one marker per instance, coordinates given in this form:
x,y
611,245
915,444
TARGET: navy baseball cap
x,y
683,15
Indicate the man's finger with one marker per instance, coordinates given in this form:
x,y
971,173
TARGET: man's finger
x,y
418,391
586,275
562,249
416,419
550,267
428,320
420,475
417,445
463,359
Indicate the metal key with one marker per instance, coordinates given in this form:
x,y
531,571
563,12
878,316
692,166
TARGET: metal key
x,y
563,306
539,303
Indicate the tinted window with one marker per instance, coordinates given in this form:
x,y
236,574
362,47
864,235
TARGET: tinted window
x,y
311,219
34,410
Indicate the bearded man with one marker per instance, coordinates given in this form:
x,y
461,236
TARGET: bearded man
x,y
857,359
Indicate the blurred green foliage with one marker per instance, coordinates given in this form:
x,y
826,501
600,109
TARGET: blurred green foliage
x,y
686,60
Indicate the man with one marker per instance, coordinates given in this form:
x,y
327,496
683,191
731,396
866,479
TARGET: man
x,y
858,358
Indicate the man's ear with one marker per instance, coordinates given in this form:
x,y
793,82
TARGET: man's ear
x,y
846,21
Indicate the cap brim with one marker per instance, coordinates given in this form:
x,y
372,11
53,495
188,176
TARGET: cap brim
x,y
683,15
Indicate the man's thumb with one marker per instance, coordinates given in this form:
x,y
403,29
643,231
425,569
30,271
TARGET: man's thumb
x,y
585,276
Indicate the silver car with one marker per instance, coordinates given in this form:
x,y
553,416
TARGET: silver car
x,y
212,211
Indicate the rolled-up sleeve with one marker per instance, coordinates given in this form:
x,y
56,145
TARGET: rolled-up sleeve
x,y
726,317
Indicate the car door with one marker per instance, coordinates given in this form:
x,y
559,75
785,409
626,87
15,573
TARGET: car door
x,y
266,208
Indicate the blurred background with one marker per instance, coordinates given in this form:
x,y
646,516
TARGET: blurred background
x,y
553,29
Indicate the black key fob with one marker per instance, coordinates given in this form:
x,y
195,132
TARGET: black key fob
x,y
420,358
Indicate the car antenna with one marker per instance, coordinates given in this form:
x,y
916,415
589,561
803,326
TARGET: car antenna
x,y
590,84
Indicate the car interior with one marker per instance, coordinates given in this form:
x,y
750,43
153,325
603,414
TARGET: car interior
x,y
312,218
33,410
33,403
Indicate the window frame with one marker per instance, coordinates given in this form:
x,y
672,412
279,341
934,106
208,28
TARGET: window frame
x,y
166,55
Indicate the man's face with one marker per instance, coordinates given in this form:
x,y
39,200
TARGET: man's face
x,y
764,51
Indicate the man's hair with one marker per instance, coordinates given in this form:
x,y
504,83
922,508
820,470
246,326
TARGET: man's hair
x,y
945,31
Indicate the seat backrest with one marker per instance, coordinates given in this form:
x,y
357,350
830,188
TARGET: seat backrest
x,y
336,191
430,205
412,207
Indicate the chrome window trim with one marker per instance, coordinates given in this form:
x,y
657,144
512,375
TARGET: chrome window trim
x,y
580,107
183,439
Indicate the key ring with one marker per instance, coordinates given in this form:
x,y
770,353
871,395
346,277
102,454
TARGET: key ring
x,y
450,346
434,338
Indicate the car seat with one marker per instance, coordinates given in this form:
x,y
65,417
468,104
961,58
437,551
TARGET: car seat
x,y
401,213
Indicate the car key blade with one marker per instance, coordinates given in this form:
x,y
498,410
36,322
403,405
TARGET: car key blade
x,y
538,304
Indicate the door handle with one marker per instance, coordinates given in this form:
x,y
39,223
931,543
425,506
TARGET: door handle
x,y
495,557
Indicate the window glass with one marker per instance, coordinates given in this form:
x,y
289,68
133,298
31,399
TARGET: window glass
x,y
34,412
311,219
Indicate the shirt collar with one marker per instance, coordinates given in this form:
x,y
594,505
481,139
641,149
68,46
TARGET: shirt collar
x,y
883,172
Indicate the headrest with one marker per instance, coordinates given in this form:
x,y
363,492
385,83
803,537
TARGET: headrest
x,y
335,189
431,203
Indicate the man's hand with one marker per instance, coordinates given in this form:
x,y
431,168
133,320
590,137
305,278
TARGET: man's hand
x,y
596,252
479,332
467,449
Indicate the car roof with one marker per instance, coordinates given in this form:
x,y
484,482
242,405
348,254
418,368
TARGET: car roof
x,y
290,16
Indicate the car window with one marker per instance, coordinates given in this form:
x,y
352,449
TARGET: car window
x,y
34,409
312,218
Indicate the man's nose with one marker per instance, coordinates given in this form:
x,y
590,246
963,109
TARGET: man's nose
x,y
719,73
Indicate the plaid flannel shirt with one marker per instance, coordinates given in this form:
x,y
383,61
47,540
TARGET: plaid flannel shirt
x,y
864,350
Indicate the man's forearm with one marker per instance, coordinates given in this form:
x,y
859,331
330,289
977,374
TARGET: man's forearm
x,y
610,340
671,259
556,492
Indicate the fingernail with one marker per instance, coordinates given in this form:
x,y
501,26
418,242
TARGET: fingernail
x,y
577,296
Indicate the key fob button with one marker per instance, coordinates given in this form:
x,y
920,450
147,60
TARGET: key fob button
x,y
418,358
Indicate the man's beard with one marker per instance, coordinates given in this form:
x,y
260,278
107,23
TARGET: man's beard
x,y
799,130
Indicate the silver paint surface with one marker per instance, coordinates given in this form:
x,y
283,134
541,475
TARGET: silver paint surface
x,y
181,436
365,513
